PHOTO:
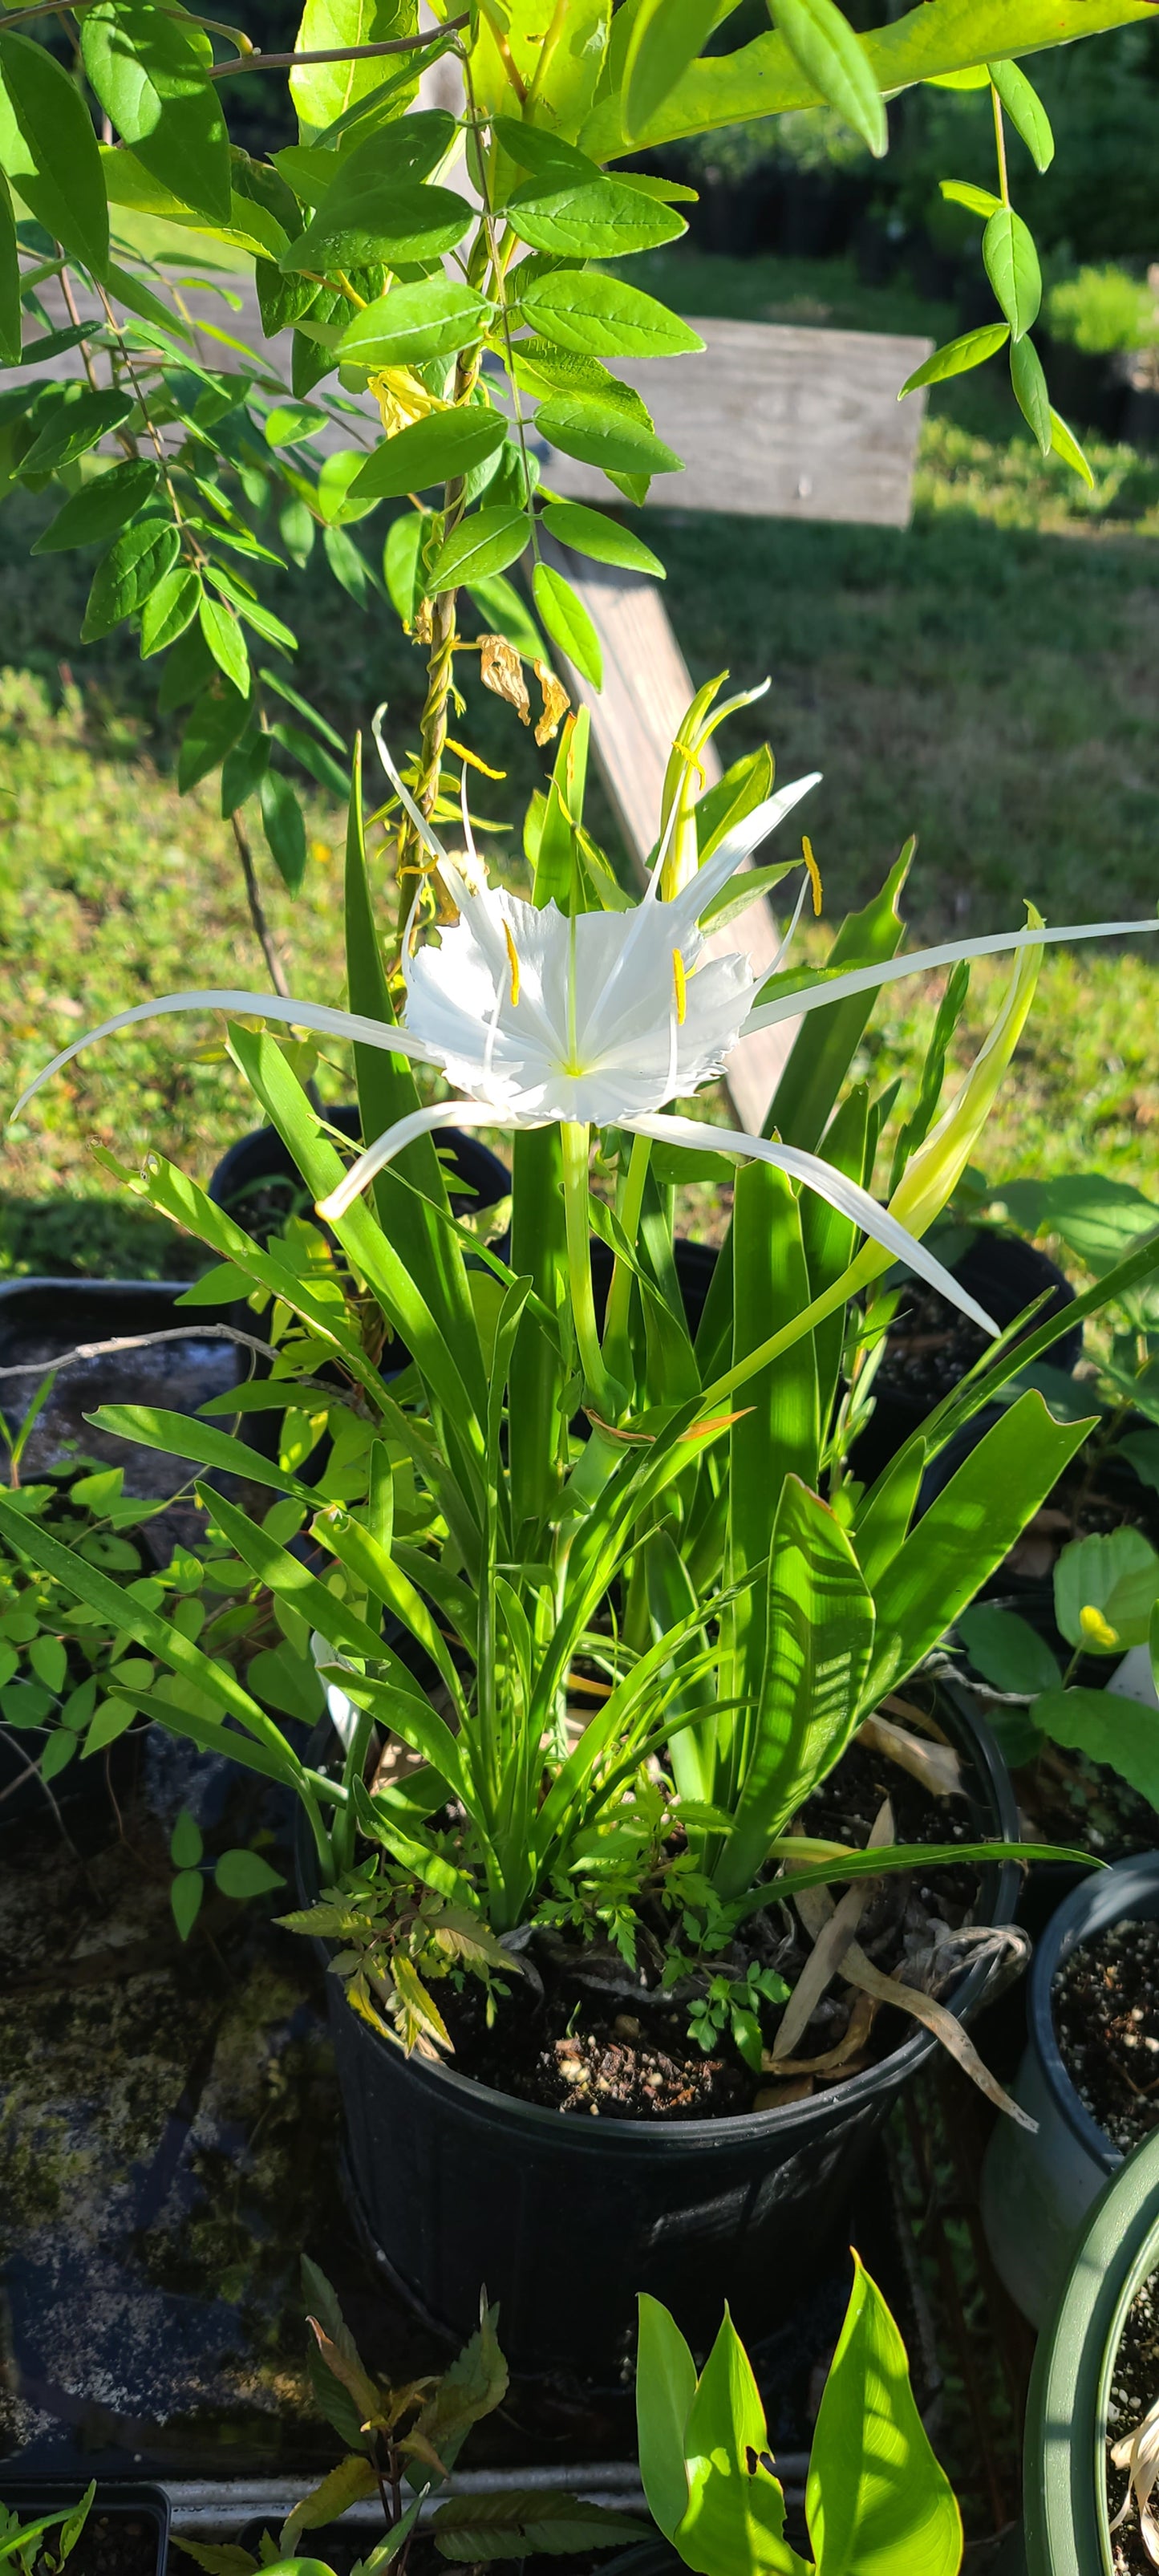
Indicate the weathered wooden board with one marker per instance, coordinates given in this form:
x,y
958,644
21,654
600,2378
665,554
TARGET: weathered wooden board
x,y
634,717
775,422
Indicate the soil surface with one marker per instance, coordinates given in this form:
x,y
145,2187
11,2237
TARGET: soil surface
x,y
930,1346
1134,2389
116,2544
1105,2001
601,2040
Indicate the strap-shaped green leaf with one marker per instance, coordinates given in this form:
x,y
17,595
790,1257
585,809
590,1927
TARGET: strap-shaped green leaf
x,y
819,1638
966,1533
826,1044
877,2499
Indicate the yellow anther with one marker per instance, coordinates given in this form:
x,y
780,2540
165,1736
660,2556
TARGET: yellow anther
x,y
513,962
814,871
680,980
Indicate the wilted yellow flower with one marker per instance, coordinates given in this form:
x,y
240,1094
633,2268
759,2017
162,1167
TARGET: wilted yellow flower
x,y
556,703
402,398
501,670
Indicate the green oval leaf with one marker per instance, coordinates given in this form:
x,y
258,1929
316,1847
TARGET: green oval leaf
x,y
76,424
588,532
47,145
485,541
284,826
1066,445
57,1754
185,1843
226,642
49,1662
378,221
599,218
1031,395
822,42
113,1718
102,507
567,622
962,192
580,309
241,1874
609,439
428,319
667,35
9,281
436,450
147,68
1025,111
169,610
126,575
971,350
219,715
185,1897
1012,268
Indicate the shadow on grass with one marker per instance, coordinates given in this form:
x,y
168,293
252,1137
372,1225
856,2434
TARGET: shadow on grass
x,y
92,1238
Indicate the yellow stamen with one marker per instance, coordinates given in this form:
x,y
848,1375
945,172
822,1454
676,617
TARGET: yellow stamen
x,y
472,759
513,962
813,870
681,982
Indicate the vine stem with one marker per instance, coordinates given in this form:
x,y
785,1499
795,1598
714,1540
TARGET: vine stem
x,y
259,62
1000,141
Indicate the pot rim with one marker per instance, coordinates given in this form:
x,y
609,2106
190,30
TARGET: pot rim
x,y
1107,1896
673,2137
1067,2510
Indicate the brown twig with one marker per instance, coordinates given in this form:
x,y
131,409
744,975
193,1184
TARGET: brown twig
x,y
74,318
257,909
140,1342
259,62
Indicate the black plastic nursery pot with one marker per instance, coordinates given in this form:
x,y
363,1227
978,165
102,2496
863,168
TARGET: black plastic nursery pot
x,y
261,1162
1066,2511
1005,1274
566,2218
126,2532
1037,2189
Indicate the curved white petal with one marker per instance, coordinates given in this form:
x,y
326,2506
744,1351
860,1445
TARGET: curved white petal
x,y
844,1195
263,1006
739,844
866,979
420,1122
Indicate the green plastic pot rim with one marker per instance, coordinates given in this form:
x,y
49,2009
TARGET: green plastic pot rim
x,y
1067,2513
691,2137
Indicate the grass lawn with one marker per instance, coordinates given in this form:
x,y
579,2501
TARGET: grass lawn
x,y
985,678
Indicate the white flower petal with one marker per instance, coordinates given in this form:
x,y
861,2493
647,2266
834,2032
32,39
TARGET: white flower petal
x,y
866,979
737,845
842,1194
421,1122
262,1006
